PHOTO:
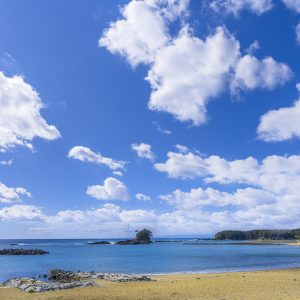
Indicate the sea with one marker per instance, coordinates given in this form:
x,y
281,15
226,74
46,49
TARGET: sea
x,y
167,256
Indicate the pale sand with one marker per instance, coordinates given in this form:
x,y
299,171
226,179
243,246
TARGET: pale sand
x,y
279,284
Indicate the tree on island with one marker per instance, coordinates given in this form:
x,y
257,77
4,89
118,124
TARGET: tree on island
x,y
143,236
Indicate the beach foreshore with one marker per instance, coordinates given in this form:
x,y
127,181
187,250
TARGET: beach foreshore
x,y
275,284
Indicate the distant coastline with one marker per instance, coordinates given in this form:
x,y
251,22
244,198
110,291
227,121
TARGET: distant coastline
x,y
259,234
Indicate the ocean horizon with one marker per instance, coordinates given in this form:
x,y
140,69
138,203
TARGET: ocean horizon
x,y
174,256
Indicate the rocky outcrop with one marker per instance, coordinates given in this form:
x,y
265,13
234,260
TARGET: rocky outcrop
x,y
142,237
67,276
33,285
99,243
60,280
126,277
133,242
22,251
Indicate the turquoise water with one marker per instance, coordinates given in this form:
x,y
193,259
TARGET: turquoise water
x,y
158,258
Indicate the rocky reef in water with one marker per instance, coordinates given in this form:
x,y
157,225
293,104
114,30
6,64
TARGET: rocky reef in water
x,y
99,243
12,251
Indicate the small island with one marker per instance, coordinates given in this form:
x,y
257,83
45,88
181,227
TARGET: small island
x,y
142,237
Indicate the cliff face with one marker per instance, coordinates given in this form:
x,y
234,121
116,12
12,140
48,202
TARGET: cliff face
x,y
258,235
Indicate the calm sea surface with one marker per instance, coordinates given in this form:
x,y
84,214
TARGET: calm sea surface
x,y
161,258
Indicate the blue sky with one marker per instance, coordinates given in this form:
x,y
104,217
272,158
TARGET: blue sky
x,y
176,115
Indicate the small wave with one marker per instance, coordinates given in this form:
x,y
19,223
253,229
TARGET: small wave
x,y
18,244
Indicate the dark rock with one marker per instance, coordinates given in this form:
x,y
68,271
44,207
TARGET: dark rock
x,y
59,280
142,237
63,276
99,243
22,251
33,285
133,242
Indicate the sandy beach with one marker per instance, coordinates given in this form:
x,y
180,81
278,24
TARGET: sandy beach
x,y
277,284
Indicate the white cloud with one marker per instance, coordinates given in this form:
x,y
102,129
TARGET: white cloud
x,y
182,148
184,165
20,118
112,189
142,197
143,151
252,73
253,48
161,130
275,174
297,30
293,5
236,6
137,216
21,213
199,198
137,36
186,72
9,194
118,173
6,162
87,155
281,124
189,72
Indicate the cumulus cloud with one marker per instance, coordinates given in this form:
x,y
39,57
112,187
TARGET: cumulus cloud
x,y
293,5
10,194
182,165
276,174
137,216
252,73
21,213
143,151
20,117
236,6
199,198
186,72
112,189
189,72
281,124
140,33
142,197
85,154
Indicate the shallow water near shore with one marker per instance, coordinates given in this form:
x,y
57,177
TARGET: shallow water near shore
x,y
185,256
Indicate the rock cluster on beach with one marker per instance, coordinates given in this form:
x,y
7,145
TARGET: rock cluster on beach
x,y
33,285
22,251
68,276
59,280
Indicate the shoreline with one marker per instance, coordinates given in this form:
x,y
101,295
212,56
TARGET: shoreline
x,y
268,284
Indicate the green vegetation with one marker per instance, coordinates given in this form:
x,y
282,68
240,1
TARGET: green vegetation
x,y
292,234
143,236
